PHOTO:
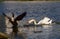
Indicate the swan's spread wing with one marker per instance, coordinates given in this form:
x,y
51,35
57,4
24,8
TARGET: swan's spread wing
x,y
20,17
7,16
46,20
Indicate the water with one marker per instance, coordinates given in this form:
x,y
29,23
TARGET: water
x,y
36,10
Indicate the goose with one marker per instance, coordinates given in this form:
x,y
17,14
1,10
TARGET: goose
x,y
46,20
13,20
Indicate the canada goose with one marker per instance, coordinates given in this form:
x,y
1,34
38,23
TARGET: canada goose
x,y
46,20
13,20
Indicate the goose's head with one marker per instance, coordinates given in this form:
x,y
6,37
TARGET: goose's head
x,y
12,17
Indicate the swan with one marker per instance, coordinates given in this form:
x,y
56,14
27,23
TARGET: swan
x,y
46,20
13,20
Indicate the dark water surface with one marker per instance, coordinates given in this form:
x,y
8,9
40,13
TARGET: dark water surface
x,y
36,10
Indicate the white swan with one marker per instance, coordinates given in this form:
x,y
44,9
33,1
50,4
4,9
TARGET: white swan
x,y
46,20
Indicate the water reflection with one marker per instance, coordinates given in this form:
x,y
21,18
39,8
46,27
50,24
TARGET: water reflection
x,y
46,31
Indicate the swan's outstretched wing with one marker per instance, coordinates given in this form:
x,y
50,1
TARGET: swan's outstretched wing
x,y
20,17
6,16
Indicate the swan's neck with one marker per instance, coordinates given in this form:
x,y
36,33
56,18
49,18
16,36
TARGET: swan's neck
x,y
35,22
32,20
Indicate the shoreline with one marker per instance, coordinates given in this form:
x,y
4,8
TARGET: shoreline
x,y
28,1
